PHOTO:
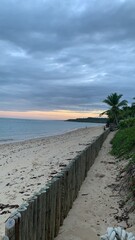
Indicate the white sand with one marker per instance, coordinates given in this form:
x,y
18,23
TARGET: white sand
x,y
97,204
26,166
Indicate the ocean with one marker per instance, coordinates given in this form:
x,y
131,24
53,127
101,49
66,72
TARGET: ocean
x,y
12,130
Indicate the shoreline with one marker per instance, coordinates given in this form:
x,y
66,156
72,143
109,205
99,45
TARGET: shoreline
x,y
38,138
27,166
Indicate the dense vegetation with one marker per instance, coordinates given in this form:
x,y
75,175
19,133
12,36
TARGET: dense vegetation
x,y
123,147
89,119
126,123
123,144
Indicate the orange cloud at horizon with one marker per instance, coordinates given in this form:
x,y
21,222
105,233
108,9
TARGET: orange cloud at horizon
x,y
49,115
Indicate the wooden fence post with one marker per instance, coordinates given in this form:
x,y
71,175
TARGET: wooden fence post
x,y
30,216
58,204
33,207
47,212
16,216
10,228
51,199
43,212
23,231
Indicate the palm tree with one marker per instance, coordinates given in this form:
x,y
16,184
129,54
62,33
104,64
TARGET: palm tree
x,y
113,100
133,108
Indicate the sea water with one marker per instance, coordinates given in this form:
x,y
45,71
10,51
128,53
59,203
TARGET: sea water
x,y
24,129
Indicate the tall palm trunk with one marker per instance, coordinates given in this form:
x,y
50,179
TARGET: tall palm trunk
x,y
116,119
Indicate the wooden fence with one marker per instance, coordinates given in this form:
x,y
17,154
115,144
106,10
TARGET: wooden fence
x,y
42,215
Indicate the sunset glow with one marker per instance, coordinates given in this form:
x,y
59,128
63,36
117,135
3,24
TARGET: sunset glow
x,y
49,115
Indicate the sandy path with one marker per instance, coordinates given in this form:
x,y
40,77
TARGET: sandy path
x,y
94,209
26,166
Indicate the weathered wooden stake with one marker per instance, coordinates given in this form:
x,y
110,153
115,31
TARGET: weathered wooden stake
x,y
34,197
10,229
23,232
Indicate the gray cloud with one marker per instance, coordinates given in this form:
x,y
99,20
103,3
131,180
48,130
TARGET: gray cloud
x,y
65,54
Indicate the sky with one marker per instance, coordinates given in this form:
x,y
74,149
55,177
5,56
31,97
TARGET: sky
x,y
60,59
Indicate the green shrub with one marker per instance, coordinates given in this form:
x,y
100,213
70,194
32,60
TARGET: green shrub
x,y
123,143
130,122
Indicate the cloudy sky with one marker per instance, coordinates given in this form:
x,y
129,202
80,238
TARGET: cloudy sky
x,y
61,58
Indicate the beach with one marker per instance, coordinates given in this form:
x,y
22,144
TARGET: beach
x,y
27,166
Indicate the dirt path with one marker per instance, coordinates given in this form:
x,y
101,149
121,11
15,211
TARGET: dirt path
x,y
97,203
